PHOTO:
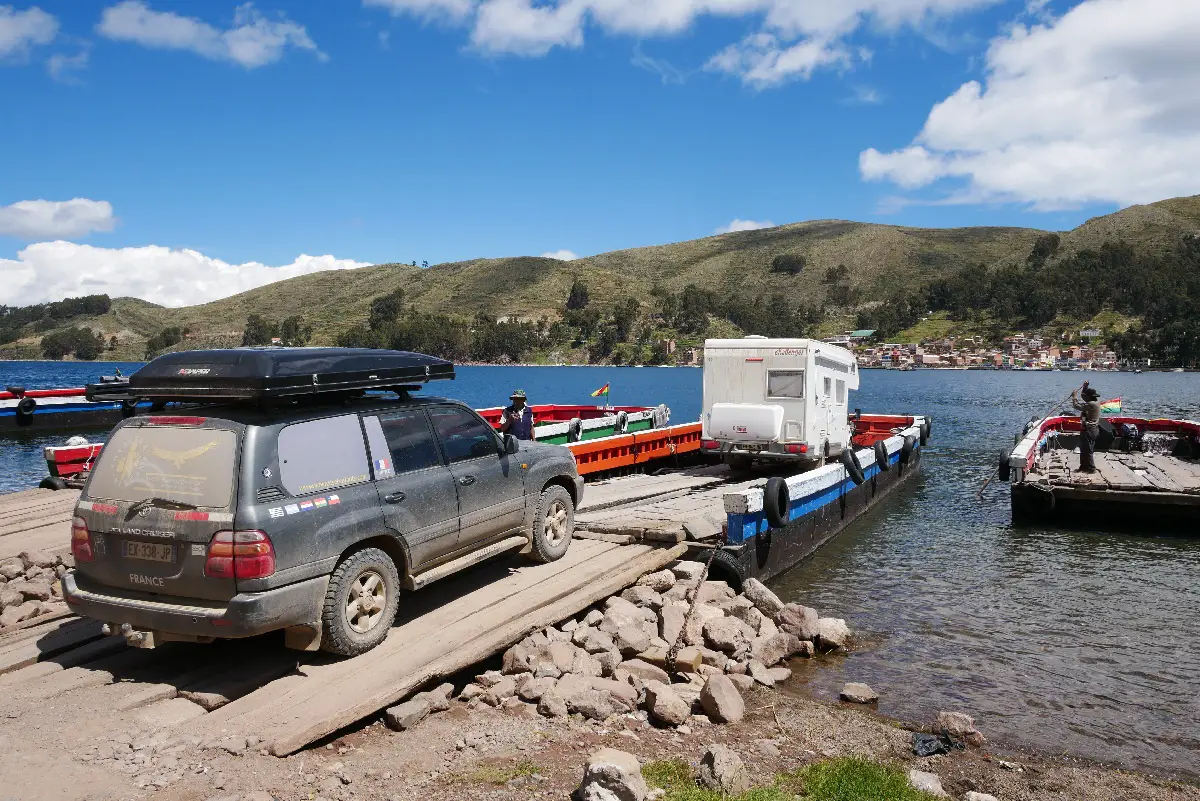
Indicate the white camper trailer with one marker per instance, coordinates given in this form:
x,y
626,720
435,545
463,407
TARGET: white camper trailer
x,y
778,399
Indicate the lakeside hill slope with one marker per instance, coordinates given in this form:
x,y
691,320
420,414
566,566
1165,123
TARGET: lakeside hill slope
x,y
881,260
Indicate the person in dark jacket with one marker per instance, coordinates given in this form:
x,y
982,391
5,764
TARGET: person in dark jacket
x,y
1089,420
517,418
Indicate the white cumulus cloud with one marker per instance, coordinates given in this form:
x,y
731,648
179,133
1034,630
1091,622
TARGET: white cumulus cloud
x,y
561,255
1098,105
252,41
21,30
49,271
794,37
44,219
744,225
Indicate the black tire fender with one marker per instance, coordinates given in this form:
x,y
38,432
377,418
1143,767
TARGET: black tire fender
x,y
853,467
777,502
881,456
1004,469
908,449
622,422
53,483
25,408
926,430
574,430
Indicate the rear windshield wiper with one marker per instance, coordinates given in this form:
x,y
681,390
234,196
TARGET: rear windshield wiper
x,y
164,503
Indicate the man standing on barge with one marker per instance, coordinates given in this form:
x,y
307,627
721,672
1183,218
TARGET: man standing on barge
x,y
518,417
1089,427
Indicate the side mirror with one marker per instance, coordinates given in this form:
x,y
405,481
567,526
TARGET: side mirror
x,y
511,444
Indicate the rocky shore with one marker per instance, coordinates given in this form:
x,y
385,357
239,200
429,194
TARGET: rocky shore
x,y
29,586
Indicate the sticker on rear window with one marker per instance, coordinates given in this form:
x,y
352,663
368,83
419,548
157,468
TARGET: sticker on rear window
x,y
333,499
197,550
320,502
276,512
305,505
291,509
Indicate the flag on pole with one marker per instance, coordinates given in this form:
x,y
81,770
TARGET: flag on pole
x,y
603,391
1113,405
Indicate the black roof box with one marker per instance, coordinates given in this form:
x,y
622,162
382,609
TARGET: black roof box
x,y
267,373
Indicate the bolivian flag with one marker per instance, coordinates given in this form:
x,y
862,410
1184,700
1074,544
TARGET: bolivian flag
x,y
603,391
1113,405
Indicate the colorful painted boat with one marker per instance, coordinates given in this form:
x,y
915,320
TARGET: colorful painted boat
x,y
772,527
43,410
564,424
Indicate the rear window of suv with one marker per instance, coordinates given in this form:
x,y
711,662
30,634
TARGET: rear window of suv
x,y
185,465
320,455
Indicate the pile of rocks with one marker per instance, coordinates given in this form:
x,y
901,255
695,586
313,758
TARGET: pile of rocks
x,y
29,586
612,775
614,659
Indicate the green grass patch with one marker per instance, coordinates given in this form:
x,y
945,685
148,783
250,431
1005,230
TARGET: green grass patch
x,y
499,774
836,780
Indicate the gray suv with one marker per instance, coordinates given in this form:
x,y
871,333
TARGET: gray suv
x,y
235,520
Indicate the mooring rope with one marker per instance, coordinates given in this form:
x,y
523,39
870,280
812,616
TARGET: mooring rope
x,y
673,651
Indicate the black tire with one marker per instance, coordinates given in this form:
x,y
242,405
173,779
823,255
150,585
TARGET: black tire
x,y
53,483
852,465
926,430
908,449
128,407
340,636
25,408
777,502
1004,469
574,430
622,422
881,456
553,525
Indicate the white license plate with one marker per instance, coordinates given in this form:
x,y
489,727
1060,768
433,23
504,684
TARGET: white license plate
x,y
149,551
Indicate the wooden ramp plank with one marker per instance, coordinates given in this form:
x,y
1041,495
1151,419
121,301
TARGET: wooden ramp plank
x,y
45,641
299,709
55,538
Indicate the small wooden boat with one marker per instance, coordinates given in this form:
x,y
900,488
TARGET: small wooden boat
x,y
1147,472
42,410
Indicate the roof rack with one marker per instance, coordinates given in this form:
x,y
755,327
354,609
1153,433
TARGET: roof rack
x,y
263,374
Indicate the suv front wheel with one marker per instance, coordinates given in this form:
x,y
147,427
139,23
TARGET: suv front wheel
x,y
553,524
360,604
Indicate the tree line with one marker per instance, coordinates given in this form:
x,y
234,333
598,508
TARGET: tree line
x,y
19,321
1163,289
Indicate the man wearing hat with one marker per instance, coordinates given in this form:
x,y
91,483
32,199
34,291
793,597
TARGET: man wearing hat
x,y
517,418
1089,426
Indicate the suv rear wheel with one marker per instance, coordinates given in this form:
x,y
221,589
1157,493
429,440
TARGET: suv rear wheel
x,y
360,604
553,524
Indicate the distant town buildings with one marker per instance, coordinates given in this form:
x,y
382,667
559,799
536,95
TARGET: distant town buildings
x,y
1020,351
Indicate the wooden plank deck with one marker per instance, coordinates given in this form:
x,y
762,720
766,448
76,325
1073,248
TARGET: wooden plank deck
x,y
36,520
1123,472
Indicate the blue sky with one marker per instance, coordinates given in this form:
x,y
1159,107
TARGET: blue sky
x,y
442,130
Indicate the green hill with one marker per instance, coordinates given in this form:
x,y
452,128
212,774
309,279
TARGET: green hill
x,y
881,260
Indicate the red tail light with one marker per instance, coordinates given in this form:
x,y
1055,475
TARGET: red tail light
x,y
240,555
711,445
81,541
797,449
169,420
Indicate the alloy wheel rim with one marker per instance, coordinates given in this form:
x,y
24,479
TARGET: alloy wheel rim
x,y
555,524
366,602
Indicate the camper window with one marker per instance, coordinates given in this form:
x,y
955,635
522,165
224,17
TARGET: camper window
x,y
841,392
785,383
828,386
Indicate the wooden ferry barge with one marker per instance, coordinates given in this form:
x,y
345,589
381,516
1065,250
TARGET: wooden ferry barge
x,y
1147,472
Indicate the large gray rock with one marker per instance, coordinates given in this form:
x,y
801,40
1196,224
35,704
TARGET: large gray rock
x,y
10,597
665,705
660,581
689,571
439,698
747,613
726,634
11,567
621,606
13,615
743,681
532,689
858,693
701,614
32,590
798,620
499,691
645,671
722,771
958,726
760,673
38,559
632,640
586,665
721,700
609,661
581,633
767,602
832,634
612,775
592,704
552,705
643,596
519,659
775,648
671,618
714,592
408,714
593,618
561,655
926,783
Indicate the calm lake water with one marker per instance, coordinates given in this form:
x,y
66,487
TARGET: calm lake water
x,y
1076,642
